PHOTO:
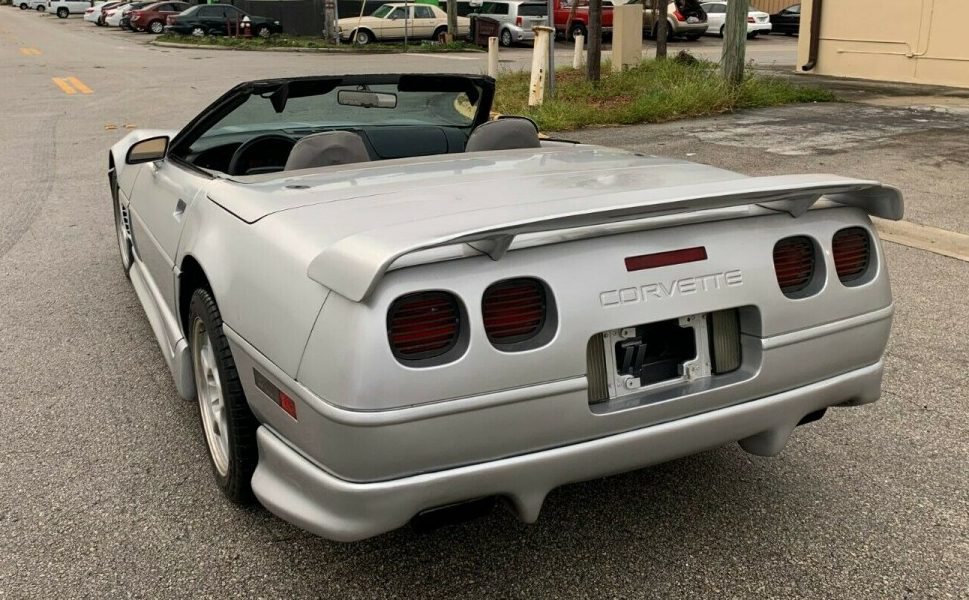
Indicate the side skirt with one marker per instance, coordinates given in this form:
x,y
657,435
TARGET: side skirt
x,y
165,326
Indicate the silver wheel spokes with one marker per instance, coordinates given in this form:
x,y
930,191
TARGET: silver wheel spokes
x,y
211,403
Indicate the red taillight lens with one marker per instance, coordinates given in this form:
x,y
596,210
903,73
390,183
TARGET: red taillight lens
x,y
794,263
852,253
514,310
423,325
169,20
518,21
751,20
679,16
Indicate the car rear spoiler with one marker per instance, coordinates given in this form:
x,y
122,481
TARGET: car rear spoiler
x,y
352,266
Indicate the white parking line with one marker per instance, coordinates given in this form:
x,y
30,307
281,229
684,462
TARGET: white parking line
x,y
433,55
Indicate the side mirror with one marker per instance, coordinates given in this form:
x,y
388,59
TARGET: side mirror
x,y
148,150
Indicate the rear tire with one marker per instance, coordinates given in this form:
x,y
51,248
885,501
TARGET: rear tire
x,y
228,424
199,31
505,38
41,8
439,34
63,13
263,32
23,6
156,27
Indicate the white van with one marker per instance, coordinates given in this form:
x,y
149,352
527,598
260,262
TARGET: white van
x,y
65,8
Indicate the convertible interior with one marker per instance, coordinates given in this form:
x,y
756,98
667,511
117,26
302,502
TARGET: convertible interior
x,y
283,125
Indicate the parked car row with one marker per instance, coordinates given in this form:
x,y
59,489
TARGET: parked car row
x,y
155,16
688,19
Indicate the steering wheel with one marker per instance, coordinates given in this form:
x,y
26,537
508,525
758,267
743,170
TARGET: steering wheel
x,y
271,145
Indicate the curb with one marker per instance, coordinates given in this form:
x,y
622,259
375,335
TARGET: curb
x,y
310,50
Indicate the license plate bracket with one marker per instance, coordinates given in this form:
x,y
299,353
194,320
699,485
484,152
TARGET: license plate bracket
x,y
656,355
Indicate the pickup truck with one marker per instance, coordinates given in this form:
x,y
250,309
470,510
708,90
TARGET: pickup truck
x,y
580,20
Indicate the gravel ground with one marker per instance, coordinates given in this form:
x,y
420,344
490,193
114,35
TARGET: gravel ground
x,y
105,489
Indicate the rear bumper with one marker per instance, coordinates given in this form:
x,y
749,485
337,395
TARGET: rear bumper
x,y
302,493
690,28
519,34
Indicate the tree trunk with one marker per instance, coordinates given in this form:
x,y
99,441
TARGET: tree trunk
x,y
660,27
734,41
452,20
568,22
594,58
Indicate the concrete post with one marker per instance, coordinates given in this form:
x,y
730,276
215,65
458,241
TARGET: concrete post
x,y
577,56
536,88
492,57
627,36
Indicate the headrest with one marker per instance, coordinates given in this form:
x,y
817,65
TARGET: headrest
x,y
506,133
327,148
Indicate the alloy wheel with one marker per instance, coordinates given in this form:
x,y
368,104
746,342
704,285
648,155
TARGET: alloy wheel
x,y
211,402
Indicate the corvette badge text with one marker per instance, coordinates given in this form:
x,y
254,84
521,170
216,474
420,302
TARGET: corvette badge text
x,y
677,287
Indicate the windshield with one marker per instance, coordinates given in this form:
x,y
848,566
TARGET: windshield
x,y
319,112
533,10
382,11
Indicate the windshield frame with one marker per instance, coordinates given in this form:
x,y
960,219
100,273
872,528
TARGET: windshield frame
x,y
181,144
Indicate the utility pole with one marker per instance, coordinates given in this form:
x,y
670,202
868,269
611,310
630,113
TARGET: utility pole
x,y
734,41
660,27
550,77
452,21
594,61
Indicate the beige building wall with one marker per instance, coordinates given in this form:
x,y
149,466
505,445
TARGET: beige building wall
x,y
917,41
772,6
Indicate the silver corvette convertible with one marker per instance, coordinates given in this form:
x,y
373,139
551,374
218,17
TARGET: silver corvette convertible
x,y
386,303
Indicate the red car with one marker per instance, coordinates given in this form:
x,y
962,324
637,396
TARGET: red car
x,y
152,17
580,21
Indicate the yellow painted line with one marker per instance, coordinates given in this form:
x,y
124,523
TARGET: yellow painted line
x,y
79,85
65,87
939,241
30,52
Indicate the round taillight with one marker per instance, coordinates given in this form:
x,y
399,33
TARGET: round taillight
x,y
852,253
514,311
794,263
423,325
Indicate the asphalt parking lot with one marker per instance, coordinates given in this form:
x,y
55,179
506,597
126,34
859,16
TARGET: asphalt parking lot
x,y
106,491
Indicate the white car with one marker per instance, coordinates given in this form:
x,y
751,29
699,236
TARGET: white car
x,y
65,8
390,21
757,21
113,17
39,5
93,13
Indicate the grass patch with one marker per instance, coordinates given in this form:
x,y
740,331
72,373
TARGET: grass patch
x,y
301,41
653,92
